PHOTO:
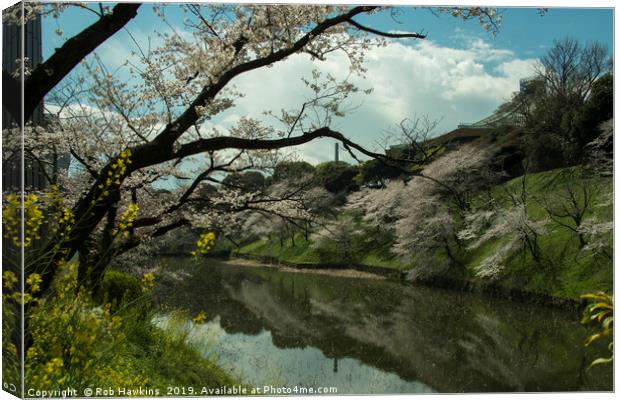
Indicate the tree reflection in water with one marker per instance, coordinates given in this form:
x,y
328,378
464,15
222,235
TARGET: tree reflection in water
x,y
383,337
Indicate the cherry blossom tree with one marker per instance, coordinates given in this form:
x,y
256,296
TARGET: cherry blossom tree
x,y
338,240
131,134
294,206
514,224
378,207
600,150
425,213
599,237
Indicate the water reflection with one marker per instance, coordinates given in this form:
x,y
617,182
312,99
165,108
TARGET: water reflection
x,y
369,336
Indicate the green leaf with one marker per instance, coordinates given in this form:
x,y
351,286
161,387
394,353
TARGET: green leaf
x,y
592,338
601,361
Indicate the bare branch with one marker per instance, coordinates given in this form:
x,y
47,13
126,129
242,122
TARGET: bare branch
x,y
386,34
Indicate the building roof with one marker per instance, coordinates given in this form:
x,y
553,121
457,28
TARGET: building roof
x,y
459,134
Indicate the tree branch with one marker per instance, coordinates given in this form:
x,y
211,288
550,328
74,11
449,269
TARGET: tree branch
x,y
361,27
47,75
175,129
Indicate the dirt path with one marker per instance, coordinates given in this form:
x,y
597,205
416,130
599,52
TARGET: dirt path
x,y
347,273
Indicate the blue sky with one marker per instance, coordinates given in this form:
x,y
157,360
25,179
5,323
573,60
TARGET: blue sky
x,y
460,73
523,30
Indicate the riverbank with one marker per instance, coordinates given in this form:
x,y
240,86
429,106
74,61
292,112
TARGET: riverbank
x,y
162,356
315,267
344,271
109,341
563,260
372,272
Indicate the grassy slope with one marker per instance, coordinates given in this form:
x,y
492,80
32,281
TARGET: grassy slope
x,y
303,252
163,357
566,272
168,361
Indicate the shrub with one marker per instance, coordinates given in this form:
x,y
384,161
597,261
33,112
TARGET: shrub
x,y
336,176
76,343
120,287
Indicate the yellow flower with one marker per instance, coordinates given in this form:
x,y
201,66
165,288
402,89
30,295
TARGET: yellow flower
x,y
54,366
34,280
9,279
205,243
68,216
11,217
126,220
32,352
200,318
148,279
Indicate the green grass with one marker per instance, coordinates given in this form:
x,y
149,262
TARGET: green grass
x,y
377,260
301,253
166,360
380,255
164,357
84,342
304,253
565,270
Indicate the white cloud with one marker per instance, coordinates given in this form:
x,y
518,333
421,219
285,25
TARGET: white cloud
x,y
408,77
455,85
518,67
484,50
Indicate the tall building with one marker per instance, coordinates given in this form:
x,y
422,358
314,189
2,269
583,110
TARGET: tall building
x,y
12,40
11,52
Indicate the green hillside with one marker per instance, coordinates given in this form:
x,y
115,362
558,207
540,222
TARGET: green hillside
x,y
565,268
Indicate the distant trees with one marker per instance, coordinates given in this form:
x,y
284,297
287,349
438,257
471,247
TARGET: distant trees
x,y
536,221
336,176
419,218
570,69
378,206
415,135
250,181
569,206
597,109
291,170
564,105
282,211
340,176
339,240
599,152
375,173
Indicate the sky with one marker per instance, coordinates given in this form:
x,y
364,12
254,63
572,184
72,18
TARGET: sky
x,y
458,74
